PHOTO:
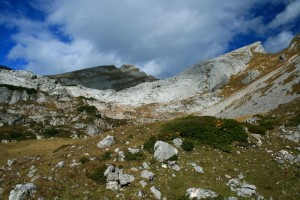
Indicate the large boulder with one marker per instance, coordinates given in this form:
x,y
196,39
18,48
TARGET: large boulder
x,y
155,192
92,130
106,142
199,193
22,191
164,151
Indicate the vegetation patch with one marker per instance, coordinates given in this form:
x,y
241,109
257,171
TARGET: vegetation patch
x,y
149,144
137,156
187,145
51,132
88,109
217,133
19,88
98,174
106,156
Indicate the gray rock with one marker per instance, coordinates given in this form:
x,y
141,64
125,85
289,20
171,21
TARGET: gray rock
x,y
106,142
114,176
60,164
284,156
175,167
92,130
197,168
177,142
121,156
22,192
10,162
199,193
32,171
110,169
147,175
133,150
113,185
145,165
1,125
125,179
251,76
155,192
163,151
143,183
242,189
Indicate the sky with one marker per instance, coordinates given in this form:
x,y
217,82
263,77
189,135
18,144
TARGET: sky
x,y
162,38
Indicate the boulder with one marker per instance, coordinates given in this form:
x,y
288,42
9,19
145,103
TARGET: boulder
x,y
22,192
106,142
125,179
155,192
199,193
242,189
164,151
147,175
177,142
92,130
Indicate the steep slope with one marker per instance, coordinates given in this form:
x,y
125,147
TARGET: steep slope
x,y
277,82
105,77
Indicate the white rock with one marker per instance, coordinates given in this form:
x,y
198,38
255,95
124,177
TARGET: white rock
x,y
133,150
148,175
177,142
106,142
155,192
60,164
163,151
199,193
22,192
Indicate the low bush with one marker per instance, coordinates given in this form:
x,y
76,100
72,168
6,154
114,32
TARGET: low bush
x,y
149,144
19,88
106,156
257,129
187,145
98,174
88,109
137,156
218,133
51,132
83,160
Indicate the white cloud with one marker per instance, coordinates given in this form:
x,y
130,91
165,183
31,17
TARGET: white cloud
x,y
290,13
162,37
278,42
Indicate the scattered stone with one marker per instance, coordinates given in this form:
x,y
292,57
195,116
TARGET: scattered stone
x,y
106,142
199,193
140,194
252,120
60,164
155,192
164,166
163,151
145,165
143,183
242,189
92,130
147,175
121,156
125,179
75,163
284,156
232,198
22,192
177,142
113,185
1,125
133,150
32,171
197,168
10,162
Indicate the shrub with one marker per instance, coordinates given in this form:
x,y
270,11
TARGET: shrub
x,y
218,133
137,156
15,134
19,88
106,156
98,175
256,129
87,109
84,160
149,144
187,145
51,132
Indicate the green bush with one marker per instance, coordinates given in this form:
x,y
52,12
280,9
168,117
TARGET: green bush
x,y
51,132
15,134
84,160
106,156
187,145
87,109
149,144
137,156
98,175
19,88
257,129
218,133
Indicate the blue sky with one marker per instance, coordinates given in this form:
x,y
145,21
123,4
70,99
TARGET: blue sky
x,y
160,37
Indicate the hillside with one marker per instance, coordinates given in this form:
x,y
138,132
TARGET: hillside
x,y
105,77
225,128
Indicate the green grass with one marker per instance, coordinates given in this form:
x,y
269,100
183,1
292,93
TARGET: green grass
x,y
217,133
98,174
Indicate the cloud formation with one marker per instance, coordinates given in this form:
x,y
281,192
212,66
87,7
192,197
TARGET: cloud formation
x,y
161,37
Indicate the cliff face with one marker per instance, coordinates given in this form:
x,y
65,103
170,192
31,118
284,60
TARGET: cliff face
x,y
105,77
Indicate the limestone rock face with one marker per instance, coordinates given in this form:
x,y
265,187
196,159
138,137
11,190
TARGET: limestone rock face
x,y
163,151
22,191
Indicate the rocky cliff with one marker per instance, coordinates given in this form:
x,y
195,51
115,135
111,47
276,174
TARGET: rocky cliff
x,y
105,77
